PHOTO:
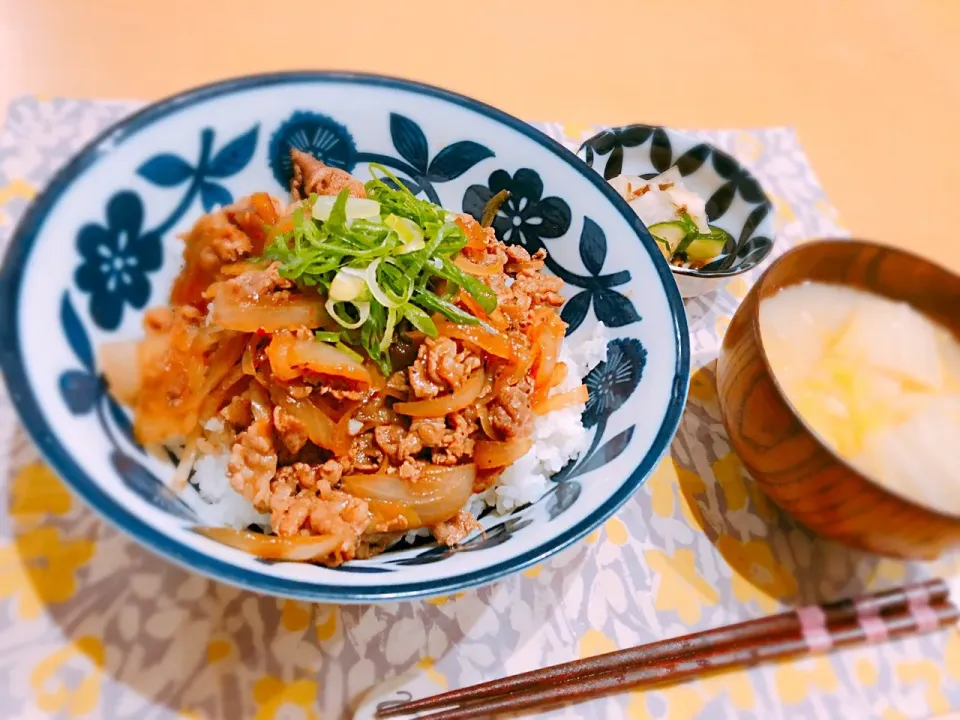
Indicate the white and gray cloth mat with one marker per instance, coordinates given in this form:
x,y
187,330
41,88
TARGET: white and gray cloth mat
x,y
91,625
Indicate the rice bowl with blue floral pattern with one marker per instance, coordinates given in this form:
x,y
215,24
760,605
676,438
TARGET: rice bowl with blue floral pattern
x,y
99,247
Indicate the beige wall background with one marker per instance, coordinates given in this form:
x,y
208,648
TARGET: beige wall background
x,y
872,86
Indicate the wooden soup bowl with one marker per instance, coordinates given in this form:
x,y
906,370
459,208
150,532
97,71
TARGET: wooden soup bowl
x,y
792,465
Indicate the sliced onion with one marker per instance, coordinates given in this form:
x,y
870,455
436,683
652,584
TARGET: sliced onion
x,y
490,454
240,267
290,356
225,358
578,396
385,514
462,397
121,367
297,548
377,381
321,429
185,464
498,321
491,342
259,402
213,401
363,309
524,358
486,423
548,332
472,268
246,362
558,375
267,314
435,497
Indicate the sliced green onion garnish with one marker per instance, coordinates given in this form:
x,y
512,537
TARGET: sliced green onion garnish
x,y
392,315
354,208
363,311
410,234
379,255
352,353
348,285
429,301
379,294
420,320
481,292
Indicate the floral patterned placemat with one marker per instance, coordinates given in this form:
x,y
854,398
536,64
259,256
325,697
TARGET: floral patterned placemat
x,y
91,625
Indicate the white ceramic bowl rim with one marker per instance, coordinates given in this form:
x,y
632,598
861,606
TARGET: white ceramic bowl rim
x,y
45,436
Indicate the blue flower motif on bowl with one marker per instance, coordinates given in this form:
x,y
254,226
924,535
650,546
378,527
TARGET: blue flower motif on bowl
x,y
100,238
738,181
84,392
526,218
169,170
117,258
315,134
612,382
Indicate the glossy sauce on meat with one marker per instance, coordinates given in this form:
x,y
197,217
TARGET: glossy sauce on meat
x,y
317,438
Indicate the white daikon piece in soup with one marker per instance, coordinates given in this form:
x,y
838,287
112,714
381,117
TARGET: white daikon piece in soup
x,y
876,380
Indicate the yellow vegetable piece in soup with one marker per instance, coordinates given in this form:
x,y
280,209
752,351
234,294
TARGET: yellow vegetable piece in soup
x,y
878,381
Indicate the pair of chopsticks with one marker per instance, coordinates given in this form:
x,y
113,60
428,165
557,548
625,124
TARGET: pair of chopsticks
x,y
909,610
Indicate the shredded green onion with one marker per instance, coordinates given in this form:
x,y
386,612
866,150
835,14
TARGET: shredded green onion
x,y
388,331
434,303
363,312
420,320
349,351
397,257
481,292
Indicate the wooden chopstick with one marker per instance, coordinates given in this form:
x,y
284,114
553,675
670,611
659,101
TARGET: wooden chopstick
x,y
867,610
675,669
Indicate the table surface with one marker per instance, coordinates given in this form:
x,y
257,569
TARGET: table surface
x,y
870,85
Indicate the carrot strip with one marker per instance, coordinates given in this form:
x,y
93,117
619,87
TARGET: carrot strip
x,y
467,300
471,228
558,375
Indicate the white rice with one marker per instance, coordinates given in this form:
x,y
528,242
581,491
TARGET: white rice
x,y
226,506
557,438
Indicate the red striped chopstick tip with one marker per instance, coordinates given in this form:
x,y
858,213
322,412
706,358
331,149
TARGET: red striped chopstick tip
x,y
899,625
809,625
